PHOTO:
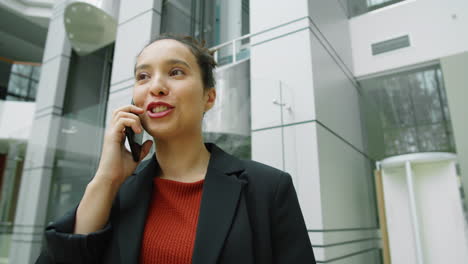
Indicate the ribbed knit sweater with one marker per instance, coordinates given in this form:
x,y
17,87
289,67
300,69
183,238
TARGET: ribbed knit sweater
x,y
171,223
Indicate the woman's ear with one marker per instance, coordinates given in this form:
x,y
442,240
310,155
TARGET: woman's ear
x,y
210,97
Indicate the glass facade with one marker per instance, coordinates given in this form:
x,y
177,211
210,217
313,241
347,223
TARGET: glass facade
x,y
359,7
81,129
23,81
215,21
218,22
411,111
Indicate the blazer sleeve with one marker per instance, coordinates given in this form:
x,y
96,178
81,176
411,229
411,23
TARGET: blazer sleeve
x,y
62,246
290,240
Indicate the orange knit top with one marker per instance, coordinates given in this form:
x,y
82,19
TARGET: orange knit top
x,y
171,223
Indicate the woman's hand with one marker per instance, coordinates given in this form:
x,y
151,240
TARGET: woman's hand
x,y
116,162
115,166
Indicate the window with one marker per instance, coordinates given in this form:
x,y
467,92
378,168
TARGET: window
x,y
374,3
359,7
23,82
411,112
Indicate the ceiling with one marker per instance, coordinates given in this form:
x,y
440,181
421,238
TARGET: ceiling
x,y
21,39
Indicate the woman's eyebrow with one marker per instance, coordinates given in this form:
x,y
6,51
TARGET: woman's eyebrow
x,y
177,61
170,62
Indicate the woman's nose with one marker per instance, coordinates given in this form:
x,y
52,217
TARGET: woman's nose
x,y
158,87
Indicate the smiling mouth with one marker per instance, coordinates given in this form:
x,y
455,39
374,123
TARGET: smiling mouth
x,y
159,109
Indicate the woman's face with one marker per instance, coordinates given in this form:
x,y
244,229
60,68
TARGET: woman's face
x,y
168,86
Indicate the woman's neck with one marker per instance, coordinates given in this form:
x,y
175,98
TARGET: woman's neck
x,y
185,159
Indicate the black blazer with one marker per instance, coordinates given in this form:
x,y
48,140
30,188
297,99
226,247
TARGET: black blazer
x,y
249,213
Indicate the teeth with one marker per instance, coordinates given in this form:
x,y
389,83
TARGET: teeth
x,y
159,109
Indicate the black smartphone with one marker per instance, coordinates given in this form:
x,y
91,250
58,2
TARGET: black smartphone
x,y
134,140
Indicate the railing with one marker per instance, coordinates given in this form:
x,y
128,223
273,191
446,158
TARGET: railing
x,y
240,47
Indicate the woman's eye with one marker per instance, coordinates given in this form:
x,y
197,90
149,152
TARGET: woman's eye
x,y
142,76
176,72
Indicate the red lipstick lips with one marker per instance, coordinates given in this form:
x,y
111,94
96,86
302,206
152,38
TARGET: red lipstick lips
x,y
160,105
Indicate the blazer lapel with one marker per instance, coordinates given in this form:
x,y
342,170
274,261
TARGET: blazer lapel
x,y
134,200
221,192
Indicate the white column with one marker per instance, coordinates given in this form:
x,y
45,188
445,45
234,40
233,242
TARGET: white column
x,y
318,138
414,212
33,198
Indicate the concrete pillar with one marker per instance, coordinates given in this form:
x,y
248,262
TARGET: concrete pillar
x,y
306,120
34,191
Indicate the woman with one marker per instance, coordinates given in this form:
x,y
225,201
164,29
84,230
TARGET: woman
x,y
189,203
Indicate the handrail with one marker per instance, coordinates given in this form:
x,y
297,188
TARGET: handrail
x,y
232,42
255,34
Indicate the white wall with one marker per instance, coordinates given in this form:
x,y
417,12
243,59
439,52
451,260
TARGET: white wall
x,y
436,29
16,119
440,215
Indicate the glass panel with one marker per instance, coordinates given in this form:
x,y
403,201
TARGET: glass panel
x,y
359,7
33,90
228,122
412,112
178,17
24,70
18,85
81,129
14,98
242,49
215,21
223,55
36,72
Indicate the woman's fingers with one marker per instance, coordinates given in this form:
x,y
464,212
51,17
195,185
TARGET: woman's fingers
x,y
128,122
128,116
127,109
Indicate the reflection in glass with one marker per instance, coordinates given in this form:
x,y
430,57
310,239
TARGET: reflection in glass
x,y
81,130
228,122
411,112
21,69
22,84
359,7
215,21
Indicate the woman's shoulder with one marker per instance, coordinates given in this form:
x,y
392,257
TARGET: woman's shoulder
x,y
264,175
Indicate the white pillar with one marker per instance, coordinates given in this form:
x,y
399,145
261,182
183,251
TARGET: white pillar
x,y
33,198
317,138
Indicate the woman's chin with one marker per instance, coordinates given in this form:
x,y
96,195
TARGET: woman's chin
x,y
162,133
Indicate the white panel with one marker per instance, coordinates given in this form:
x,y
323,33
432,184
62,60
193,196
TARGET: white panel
x,y
41,145
268,13
286,59
336,99
39,182
264,113
16,119
122,85
131,8
332,21
438,31
52,83
345,178
132,37
301,161
266,147
440,213
398,213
